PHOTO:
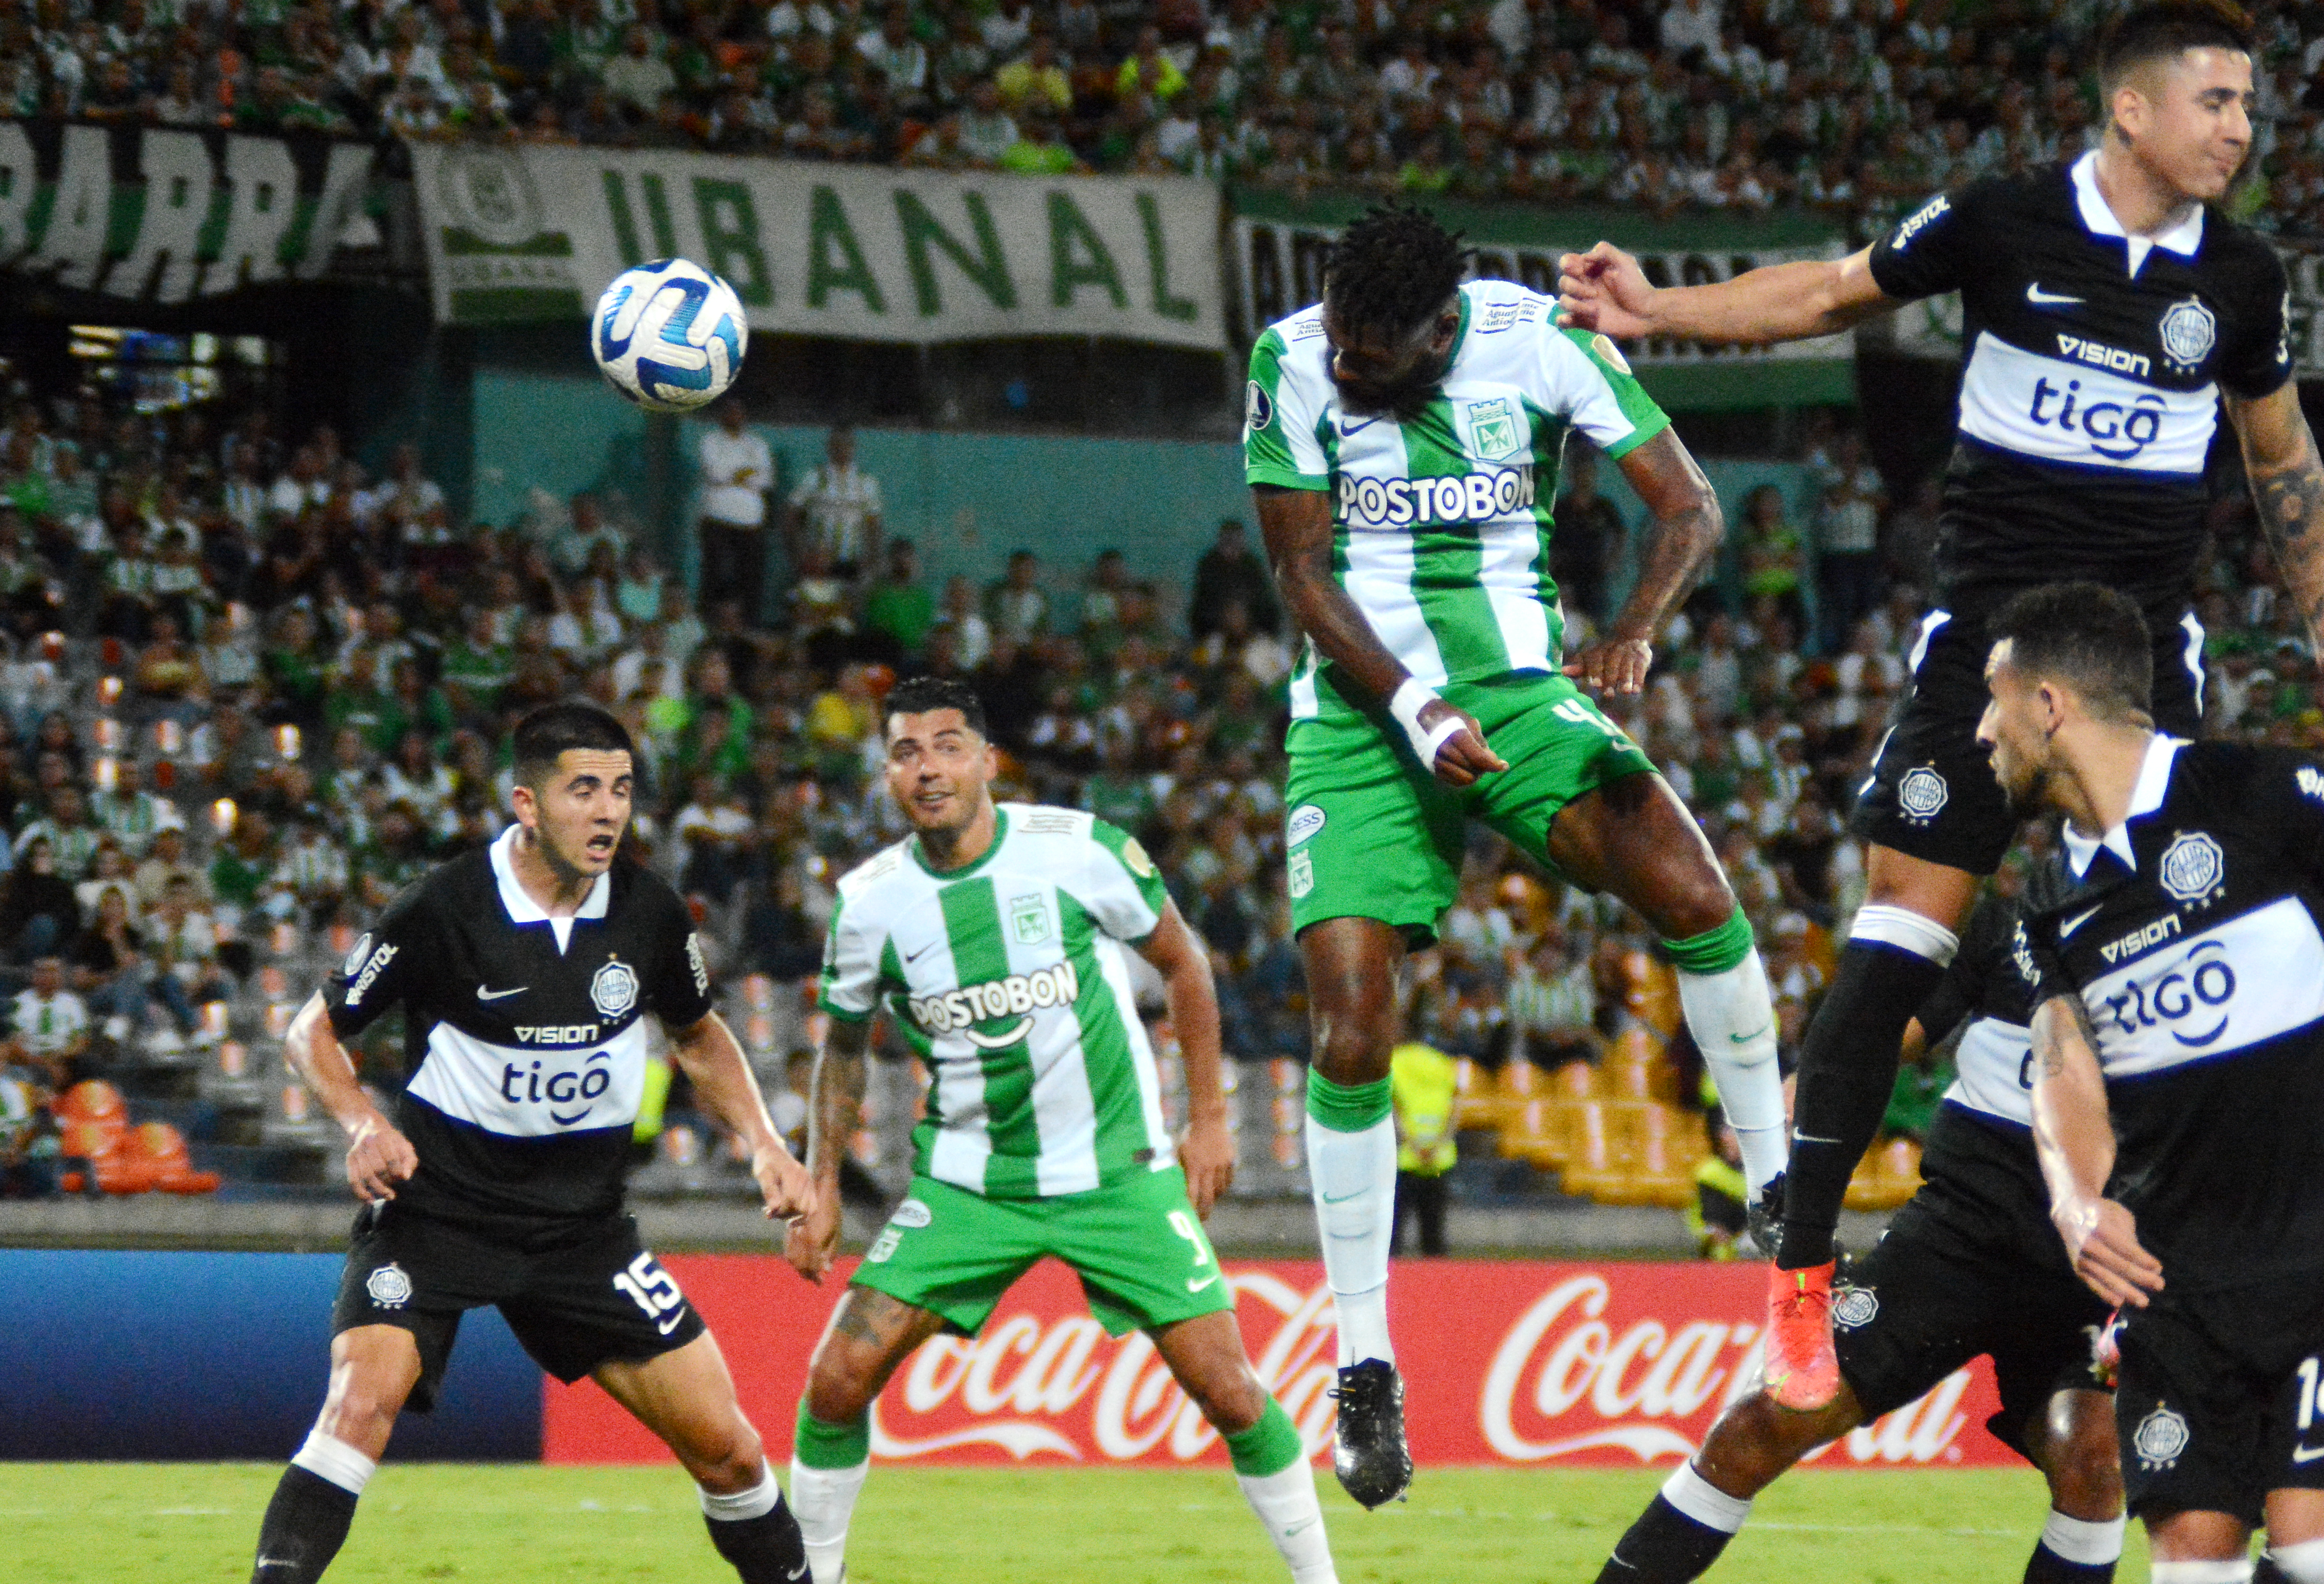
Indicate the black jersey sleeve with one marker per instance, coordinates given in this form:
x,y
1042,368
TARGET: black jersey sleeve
x,y
388,959
678,980
1931,250
2033,950
2258,358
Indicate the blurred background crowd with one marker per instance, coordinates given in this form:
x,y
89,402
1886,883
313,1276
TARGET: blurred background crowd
x,y
1860,108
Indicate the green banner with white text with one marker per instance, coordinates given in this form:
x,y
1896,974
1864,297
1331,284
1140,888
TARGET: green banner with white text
x,y
852,252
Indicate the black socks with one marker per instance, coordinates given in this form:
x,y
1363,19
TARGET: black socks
x,y
764,1550
305,1525
1664,1546
1847,1070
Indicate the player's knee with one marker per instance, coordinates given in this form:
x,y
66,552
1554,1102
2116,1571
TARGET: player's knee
x,y
362,1406
2075,1446
835,1393
1232,1401
732,1460
1351,1044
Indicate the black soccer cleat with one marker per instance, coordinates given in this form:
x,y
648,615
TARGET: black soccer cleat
x,y
1763,1217
1368,1449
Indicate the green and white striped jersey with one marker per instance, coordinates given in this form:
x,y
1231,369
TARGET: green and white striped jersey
x,y
1007,977
1443,524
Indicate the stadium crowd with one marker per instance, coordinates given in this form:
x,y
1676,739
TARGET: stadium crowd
x,y
1854,107
244,682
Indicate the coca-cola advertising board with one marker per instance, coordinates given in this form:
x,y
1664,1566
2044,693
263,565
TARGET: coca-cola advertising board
x,y
1514,1363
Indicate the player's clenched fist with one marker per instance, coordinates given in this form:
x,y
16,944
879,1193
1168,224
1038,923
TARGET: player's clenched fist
x,y
815,1236
1605,291
378,1158
783,1183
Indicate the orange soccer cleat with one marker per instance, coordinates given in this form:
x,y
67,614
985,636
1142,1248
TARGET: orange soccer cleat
x,y
1801,1372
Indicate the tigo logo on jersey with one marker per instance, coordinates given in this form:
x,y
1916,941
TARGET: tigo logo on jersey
x,y
2189,331
388,1287
1399,503
1028,920
1017,996
614,988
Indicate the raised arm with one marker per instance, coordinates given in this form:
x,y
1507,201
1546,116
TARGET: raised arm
x,y
2075,1139
713,1062
378,1156
2287,485
1686,529
1604,290
1296,525
835,1111
1206,1149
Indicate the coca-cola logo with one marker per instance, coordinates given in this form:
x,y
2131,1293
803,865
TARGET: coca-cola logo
x,y
1063,1387
1565,1381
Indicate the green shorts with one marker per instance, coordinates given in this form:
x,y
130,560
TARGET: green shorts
x,y
1137,1247
1372,835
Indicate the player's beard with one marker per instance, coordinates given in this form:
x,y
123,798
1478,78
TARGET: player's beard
x,y
1404,400
2030,798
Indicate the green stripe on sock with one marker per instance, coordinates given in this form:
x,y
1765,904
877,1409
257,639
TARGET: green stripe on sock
x,y
831,1446
1267,1446
1714,950
1350,1108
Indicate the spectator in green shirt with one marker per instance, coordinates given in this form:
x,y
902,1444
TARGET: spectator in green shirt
x,y
1040,150
900,606
476,668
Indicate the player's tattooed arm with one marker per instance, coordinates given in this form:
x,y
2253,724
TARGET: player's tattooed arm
x,y
2287,485
2074,1136
1684,534
834,1111
1296,525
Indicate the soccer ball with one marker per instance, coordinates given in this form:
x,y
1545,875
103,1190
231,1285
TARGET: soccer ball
x,y
670,335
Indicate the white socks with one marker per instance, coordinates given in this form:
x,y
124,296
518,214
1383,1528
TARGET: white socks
x,y
2235,1572
329,1458
1294,1519
1704,1502
1733,1021
2088,1542
754,1503
1353,1176
823,1500
2302,1563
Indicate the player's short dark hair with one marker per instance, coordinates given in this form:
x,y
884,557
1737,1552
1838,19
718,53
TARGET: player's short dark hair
x,y
1392,270
2086,635
547,733
2166,29
917,695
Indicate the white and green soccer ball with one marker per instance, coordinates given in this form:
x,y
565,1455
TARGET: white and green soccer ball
x,y
670,335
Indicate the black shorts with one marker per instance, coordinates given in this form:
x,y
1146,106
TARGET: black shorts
x,y
2218,1402
1925,1301
1932,794
584,1303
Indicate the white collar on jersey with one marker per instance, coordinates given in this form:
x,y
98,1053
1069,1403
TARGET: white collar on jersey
x,y
523,909
2182,239
2153,780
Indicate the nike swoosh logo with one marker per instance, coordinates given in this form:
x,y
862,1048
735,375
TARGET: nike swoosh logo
x,y
1195,1286
2041,298
1303,1525
924,951
667,1326
1799,1138
2077,921
485,995
2307,1454
1348,431
1748,1039
1341,1198
797,1572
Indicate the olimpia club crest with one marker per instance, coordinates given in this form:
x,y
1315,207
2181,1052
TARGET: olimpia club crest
x,y
2189,330
2193,867
2160,1438
614,989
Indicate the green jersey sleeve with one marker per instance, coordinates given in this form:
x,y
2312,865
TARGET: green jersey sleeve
x,y
1282,409
1120,887
1589,382
850,987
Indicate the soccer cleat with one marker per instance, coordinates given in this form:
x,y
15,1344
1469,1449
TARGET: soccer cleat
x,y
1763,1217
1368,1449
1801,1371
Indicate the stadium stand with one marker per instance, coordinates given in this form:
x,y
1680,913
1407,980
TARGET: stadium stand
x,y
1852,106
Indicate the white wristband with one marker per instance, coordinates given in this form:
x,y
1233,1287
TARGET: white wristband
x,y
1409,700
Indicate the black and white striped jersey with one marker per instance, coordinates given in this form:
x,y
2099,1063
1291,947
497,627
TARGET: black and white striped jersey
x,y
2191,936
525,1034
2090,393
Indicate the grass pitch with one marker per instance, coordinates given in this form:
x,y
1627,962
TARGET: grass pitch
x,y
112,1523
